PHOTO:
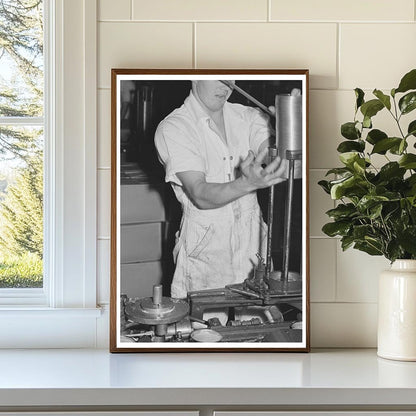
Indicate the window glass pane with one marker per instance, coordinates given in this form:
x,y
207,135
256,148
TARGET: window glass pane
x,y
21,58
21,209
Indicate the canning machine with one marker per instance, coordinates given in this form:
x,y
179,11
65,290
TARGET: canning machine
x,y
267,306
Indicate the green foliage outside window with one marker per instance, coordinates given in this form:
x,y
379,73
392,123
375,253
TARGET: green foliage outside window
x,y
21,147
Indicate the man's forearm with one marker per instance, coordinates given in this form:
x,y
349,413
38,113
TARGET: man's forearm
x,y
206,195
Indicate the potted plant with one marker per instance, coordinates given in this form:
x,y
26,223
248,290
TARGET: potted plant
x,y
376,206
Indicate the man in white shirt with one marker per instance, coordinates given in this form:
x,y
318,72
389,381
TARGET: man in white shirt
x,y
213,152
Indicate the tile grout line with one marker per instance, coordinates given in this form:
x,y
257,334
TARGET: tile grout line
x,y
269,11
131,9
254,21
338,65
336,271
194,62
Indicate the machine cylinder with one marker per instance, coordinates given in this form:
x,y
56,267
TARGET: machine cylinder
x,y
289,122
289,129
157,294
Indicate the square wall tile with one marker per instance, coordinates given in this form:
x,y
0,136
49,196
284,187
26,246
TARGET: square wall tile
x,y
342,10
376,55
323,269
103,271
104,129
142,45
104,203
357,275
343,325
319,203
272,45
328,111
114,10
200,10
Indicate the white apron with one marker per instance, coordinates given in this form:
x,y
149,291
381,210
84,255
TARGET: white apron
x,y
218,247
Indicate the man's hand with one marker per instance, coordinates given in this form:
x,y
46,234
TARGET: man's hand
x,y
257,177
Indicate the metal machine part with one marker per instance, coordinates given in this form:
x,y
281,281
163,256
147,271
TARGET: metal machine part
x,y
288,118
289,122
158,311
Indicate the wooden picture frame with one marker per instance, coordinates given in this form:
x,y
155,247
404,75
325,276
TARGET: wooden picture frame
x,y
266,307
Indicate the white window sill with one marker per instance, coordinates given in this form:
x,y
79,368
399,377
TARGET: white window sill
x,y
331,379
40,327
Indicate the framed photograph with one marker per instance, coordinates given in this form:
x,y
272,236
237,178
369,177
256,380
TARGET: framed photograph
x,y
209,211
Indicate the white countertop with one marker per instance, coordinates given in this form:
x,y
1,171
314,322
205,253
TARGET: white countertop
x,y
96,377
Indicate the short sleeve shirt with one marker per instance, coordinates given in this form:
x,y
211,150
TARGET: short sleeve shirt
x,y
185,141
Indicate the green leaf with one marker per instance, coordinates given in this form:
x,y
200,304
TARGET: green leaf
x,y
393,250
408,102
349,146
408,161
338,171
411,130
367,122
369,201
400,148
342,211
369,248
391,170
375,211
359,165
333,229
385,99
325,186
359,95
371,108
348,158
408,82
407,239
375,136
349,131
346,242
383,145
361,231
351,186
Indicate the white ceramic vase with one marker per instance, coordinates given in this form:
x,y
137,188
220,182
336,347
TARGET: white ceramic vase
x,y
397,312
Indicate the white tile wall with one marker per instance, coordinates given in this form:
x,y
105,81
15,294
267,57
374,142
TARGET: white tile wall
x,y
200,10
142,45
319,203
345,44
343,325
323,269
104,202
103,271
357,275
104,128
369,10
114,10
260,45
388,54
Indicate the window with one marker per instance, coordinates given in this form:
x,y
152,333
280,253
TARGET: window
x,y
22,128
63,312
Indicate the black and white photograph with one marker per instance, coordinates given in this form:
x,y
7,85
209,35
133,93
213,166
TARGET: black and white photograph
x,y
209,211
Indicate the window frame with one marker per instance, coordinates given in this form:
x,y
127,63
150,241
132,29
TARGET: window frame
x,y
68,299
